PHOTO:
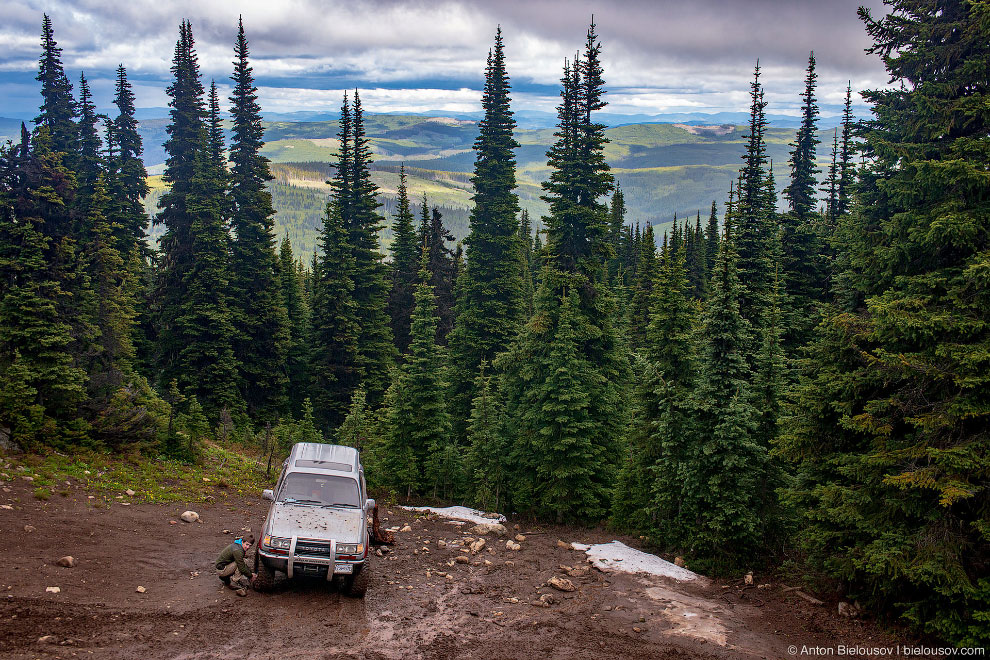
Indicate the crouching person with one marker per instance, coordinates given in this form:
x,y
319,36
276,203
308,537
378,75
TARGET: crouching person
x,y
231,568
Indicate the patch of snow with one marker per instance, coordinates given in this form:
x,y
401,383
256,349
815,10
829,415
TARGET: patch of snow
x,y
459,513
617,556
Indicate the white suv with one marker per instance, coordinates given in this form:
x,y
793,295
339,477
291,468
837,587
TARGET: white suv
x,y
317,524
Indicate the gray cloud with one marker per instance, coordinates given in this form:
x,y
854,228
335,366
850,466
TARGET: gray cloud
x,y
659,55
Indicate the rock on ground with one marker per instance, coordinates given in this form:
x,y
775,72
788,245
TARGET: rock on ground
x,y
189,516
483,529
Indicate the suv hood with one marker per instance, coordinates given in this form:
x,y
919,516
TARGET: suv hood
x,y
314,522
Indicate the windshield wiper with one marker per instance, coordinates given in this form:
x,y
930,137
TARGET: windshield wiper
x,y
344,505
293,500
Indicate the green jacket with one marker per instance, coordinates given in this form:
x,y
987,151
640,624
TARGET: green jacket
x,y
233,553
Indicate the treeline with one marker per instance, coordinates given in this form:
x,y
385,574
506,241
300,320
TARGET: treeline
x,y
809,382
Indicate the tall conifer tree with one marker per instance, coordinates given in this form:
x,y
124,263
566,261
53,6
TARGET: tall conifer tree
x,y
263,336
405,263
58,108
490,306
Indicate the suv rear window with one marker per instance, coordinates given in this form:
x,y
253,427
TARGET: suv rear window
x,y
306,488
325,465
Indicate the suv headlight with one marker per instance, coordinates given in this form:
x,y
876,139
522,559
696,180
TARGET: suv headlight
x,y
350,548
276,542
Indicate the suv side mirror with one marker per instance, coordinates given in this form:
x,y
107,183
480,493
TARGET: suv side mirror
x,y
369,505
268,494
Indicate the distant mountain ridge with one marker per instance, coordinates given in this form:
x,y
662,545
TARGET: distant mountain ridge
x,y
664,168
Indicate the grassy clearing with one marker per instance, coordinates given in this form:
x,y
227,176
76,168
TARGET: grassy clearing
x,y
221,472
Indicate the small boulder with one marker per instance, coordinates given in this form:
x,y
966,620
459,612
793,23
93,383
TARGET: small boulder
x,y
679,561
29,528
561,584
512,545
189,516
406,528
67,561
579,571
477,546
140,589
130,493
52,590
566,546
462,559
46,639
520,537
749,577
483,529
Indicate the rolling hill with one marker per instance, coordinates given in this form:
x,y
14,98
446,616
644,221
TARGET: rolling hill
x,y
663,168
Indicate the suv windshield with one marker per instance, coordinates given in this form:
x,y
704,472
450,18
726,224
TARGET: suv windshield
x,y
305,488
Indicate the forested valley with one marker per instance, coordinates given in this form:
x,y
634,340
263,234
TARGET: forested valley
x,y
802,386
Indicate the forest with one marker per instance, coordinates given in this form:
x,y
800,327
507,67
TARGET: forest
x,y
802,386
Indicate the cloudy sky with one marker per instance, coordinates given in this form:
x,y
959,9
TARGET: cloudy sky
x,y
660,56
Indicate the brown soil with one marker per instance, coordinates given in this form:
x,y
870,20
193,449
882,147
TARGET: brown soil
x,y
412,609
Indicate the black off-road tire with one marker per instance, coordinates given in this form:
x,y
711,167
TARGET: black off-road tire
x,y
266,576
356,585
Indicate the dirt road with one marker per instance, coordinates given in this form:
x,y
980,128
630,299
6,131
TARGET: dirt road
x,y
420,604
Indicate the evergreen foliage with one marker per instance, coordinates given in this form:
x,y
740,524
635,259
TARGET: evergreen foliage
x,y
333,369
490,305
405,265
354,194
256,294
298,313
419,453
889,427
58,108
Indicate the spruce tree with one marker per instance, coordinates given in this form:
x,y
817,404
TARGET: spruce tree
x,y
405,264
129,180
846,148
298,313
419,448
195,320
485,463
88,159
643,290
333,369
490,306
58,108
800,193
375,347
115,290
565,426
648,495
561,469
801,266
441,266
888,431
41,381
263,335
725,466
526,263
751,215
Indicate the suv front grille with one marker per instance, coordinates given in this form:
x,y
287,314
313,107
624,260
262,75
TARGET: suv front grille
x,y
312,548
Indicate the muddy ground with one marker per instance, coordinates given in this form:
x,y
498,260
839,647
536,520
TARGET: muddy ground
x,y
418,605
